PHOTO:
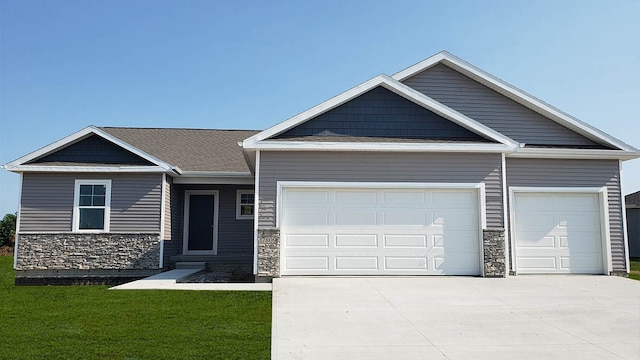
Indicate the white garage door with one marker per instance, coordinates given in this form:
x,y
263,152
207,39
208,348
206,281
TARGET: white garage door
x,y
353,231
557,233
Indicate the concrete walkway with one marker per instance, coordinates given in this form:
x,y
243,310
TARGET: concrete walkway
x,y
521,317
169,280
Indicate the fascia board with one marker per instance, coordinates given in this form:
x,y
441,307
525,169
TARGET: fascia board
x,y
515,94
314,111
89,169
555,153
79,135
380,146
397,88
215,174
445,111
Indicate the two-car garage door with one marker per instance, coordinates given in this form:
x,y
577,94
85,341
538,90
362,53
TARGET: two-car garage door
x,y
379,231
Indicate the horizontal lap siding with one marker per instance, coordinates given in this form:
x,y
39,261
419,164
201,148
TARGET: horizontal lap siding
x,y
576,173
379,167
234,236
491,108
47,202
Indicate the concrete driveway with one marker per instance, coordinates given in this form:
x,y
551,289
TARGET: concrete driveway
x,y
520,317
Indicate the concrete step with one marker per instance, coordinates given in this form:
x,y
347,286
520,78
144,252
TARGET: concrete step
x,y
191,265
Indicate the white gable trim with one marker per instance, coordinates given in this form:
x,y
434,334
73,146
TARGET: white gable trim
x,y
19,164
515,94
558,153
391,85
381,146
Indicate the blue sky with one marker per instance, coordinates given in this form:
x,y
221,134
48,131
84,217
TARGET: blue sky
x,y
65,65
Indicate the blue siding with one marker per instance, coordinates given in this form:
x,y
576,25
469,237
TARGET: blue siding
x,y
93,150
382,114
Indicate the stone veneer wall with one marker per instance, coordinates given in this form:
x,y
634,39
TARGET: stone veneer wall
x,y
494,252
100,251
268,252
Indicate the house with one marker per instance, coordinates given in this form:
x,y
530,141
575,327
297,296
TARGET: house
x,y
440,168
632,202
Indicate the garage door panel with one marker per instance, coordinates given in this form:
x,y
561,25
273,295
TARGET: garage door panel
x,y
353,240
399,234
400,217
453,199
306,240
306,198
404,241
355,217
563,238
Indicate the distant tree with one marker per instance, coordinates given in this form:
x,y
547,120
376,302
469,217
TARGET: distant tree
x,y
8,229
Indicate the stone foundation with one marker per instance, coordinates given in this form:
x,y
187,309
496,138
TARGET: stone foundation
x,y
494,252
268,253
87,252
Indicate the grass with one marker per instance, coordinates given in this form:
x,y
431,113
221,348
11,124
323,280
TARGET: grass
x,y
635,269
91,322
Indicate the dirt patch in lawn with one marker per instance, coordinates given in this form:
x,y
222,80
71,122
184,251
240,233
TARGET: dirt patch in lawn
x,y
6,250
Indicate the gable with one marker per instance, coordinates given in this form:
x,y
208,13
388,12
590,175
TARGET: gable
x,y
92,150
379,114
495,110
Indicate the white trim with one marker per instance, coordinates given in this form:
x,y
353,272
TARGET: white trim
x,y
185,232
163,212
200,174
504,215
214,180
255,214
239,215
559,153
513,93
623,205
76,207
81,135
603,200
382,146
88,169
391,85
15,245
479,187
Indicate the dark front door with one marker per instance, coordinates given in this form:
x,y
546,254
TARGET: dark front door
x,y
201,223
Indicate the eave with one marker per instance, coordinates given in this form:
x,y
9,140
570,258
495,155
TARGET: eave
x,y
555,153
378,146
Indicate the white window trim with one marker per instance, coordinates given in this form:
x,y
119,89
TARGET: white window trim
x,y
239,215
76,207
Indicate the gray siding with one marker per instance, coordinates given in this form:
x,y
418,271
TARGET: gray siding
x,y
234,236
93,150
379,167
576,173
493,109
633,232
380,113
47,202
167,207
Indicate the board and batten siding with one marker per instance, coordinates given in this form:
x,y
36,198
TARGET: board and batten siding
x,y
492,109
47,201
576,173
379,167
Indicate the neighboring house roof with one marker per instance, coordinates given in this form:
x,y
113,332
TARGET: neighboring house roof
x,y
183,151
189,149
632,200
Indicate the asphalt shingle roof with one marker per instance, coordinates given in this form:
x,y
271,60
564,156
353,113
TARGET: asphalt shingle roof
x,y
189,149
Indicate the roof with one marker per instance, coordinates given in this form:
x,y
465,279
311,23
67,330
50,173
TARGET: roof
x,y
189,149
632,200
166,149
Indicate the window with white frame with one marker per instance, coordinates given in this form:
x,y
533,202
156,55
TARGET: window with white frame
x,y
245,204
92,200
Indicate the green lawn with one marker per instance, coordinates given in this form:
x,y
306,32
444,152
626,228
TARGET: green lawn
x,y
91,322
635,269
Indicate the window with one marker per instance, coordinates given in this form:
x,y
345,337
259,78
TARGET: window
x,y
244,204
91,206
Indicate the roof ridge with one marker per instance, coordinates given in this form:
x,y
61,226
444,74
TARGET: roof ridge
x,y
171,128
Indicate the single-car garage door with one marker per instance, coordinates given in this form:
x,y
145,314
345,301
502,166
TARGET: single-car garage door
x,y
557,233
379,231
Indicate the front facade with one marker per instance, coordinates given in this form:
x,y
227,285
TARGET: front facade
x,y
440,169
